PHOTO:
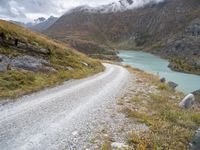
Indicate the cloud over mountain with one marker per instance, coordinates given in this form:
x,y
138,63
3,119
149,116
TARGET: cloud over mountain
x,y
26,10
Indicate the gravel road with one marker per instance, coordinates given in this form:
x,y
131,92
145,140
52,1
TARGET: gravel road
x,y
63,117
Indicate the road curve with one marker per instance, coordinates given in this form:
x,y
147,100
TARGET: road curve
x,y
52,118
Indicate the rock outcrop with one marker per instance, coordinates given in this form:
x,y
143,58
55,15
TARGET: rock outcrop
x,y
172,84
26,63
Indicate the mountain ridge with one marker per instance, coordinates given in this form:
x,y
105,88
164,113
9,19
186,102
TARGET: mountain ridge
x,y
152,28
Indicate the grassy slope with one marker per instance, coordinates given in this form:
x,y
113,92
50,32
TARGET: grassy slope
x,y
170,126
16,83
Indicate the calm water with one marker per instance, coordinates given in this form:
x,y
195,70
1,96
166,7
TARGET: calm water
x,y
154,64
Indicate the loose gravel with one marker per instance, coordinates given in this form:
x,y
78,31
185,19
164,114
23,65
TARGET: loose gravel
x,y
64,117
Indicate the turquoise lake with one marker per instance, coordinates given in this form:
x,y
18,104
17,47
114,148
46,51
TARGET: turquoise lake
x,y
187,83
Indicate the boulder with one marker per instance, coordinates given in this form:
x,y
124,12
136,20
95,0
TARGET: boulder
x,y
195,143
172,84
31,64
188,101
163,80
119,146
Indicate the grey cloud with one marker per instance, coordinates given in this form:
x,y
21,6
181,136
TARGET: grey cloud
x,y
27,9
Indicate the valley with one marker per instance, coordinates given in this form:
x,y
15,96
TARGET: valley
x,y
170,29
96,75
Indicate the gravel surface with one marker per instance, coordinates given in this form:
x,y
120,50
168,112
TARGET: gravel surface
x,y
64,117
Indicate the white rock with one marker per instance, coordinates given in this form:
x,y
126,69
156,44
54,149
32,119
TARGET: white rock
x,y
119,146
188,101
75,133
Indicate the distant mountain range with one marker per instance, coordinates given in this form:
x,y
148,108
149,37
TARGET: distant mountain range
x,y
170,28
39,24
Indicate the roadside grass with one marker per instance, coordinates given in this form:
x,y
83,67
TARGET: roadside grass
x,y
170,127
15,83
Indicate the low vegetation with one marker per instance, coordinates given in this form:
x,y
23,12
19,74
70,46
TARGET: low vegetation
x,y
181,65
68,63
170,127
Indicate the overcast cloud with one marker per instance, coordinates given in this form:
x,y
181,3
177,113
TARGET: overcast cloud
x,y
27,10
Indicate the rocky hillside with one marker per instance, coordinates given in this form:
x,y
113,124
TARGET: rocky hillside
x,y
30,61
167,28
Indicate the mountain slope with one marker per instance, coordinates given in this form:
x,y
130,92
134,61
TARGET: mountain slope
x,y
155,27
30,61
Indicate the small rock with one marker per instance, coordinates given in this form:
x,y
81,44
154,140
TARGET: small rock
x,y
188,101
69,68
119,146
44,51
85,64
3,67
75,133
163,80
172,84
195,143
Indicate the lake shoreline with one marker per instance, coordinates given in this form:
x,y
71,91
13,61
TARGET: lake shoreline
x,y
174,62
149,61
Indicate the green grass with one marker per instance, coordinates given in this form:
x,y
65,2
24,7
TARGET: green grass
x,y
14,83
170,127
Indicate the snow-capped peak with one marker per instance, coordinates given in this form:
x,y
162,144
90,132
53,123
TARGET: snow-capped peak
x,y
121,5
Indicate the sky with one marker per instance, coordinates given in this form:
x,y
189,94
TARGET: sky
x,y
28,10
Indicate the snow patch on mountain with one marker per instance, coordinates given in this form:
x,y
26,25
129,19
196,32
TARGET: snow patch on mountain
x,y
121,5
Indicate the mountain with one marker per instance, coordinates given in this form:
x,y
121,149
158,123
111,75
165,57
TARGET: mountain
x,y
30,61
162,27
42,26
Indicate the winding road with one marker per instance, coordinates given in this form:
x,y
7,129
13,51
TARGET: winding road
x,y
62,117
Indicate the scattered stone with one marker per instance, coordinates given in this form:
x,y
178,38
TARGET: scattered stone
x,y
163,80
195,143
44,51
85,64
188,101
172,84
75,133
69,68
119,146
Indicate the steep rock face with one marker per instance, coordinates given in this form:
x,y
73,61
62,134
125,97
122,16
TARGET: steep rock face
x,y
166,28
